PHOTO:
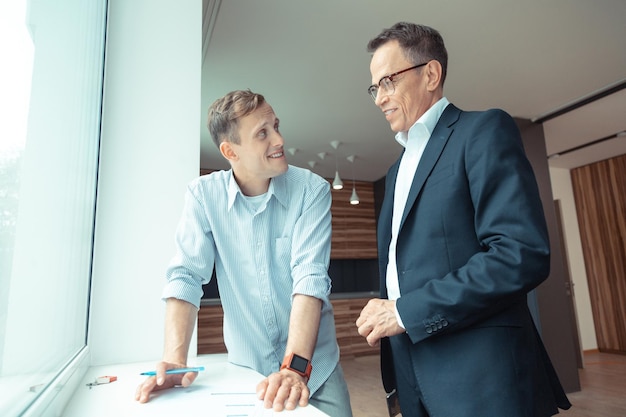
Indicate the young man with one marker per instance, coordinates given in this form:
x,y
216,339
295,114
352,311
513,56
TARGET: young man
x,y
266,227
461,241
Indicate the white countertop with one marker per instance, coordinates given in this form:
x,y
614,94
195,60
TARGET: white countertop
x,y
223,389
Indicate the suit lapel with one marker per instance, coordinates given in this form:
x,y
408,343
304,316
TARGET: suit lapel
x,y
432,152
386,210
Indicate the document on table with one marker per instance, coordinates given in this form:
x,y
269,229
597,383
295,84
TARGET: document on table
x,y
237,404
218,401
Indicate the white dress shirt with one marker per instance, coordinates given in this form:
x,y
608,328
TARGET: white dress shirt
x,y
414,142
265,249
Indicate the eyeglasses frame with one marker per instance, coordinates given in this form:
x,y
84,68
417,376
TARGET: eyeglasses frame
x,y
375,87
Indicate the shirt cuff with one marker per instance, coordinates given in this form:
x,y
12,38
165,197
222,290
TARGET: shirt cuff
x,y
398,318
182,290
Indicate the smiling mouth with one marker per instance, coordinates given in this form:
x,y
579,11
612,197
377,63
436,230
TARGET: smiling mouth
x,y
277,155
388,112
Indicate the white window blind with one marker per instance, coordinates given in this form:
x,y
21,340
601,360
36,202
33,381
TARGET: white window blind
x,y
51,83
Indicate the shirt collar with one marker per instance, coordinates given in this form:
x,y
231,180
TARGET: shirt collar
x,y
277,188
427,122
233,189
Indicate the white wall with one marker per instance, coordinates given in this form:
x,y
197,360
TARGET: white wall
x,y
150,150
562,190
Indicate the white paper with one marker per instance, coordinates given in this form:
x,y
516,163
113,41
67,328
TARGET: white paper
x,y
237,404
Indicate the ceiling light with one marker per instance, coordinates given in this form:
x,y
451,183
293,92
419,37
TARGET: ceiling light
x,y
337,183
354,198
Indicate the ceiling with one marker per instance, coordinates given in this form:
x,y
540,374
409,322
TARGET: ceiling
x,y
531,58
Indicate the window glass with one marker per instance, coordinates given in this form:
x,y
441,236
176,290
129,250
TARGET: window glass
x,y
50,104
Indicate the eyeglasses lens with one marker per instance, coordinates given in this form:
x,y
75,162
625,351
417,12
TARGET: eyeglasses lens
x,y
385,84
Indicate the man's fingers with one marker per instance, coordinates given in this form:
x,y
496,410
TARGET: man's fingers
x,y
366,314
142,394
377,320
280,392
304,397
188,378
261,389
373,341
277,393
282,396
364,330
294,398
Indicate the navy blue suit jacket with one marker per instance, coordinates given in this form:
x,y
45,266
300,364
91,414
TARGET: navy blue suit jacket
x,y
472,243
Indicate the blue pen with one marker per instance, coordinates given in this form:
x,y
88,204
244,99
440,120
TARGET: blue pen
x,y
176,371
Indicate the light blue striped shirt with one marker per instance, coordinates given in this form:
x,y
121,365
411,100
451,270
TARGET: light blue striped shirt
x,y
263,253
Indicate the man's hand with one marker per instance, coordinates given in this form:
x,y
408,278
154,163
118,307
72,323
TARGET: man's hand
x,y
283,390
378,320
163,381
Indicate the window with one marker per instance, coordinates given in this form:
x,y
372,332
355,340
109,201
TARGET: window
x,y
51,83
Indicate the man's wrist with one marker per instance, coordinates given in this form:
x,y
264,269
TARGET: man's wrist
x,y
398,318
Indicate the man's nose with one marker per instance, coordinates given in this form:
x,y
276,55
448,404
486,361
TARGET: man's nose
x,y
381,96
278,140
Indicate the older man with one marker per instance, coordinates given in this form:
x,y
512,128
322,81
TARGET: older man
x,y
461,241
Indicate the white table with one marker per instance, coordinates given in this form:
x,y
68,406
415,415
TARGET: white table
x,y
221,390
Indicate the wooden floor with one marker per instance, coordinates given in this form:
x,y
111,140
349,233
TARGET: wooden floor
x,y
603,382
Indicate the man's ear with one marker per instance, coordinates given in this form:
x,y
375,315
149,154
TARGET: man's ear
x,y
435,72
227,151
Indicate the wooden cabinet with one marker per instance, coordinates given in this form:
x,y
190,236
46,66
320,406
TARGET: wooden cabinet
x,y
600,195
354,226
351,343
210,334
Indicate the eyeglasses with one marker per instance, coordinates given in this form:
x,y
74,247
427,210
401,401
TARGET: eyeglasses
x,y
387,83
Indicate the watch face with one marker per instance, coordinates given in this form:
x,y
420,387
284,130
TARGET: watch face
x,y
299,363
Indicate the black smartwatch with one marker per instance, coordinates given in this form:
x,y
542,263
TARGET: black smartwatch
x,y
297,364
